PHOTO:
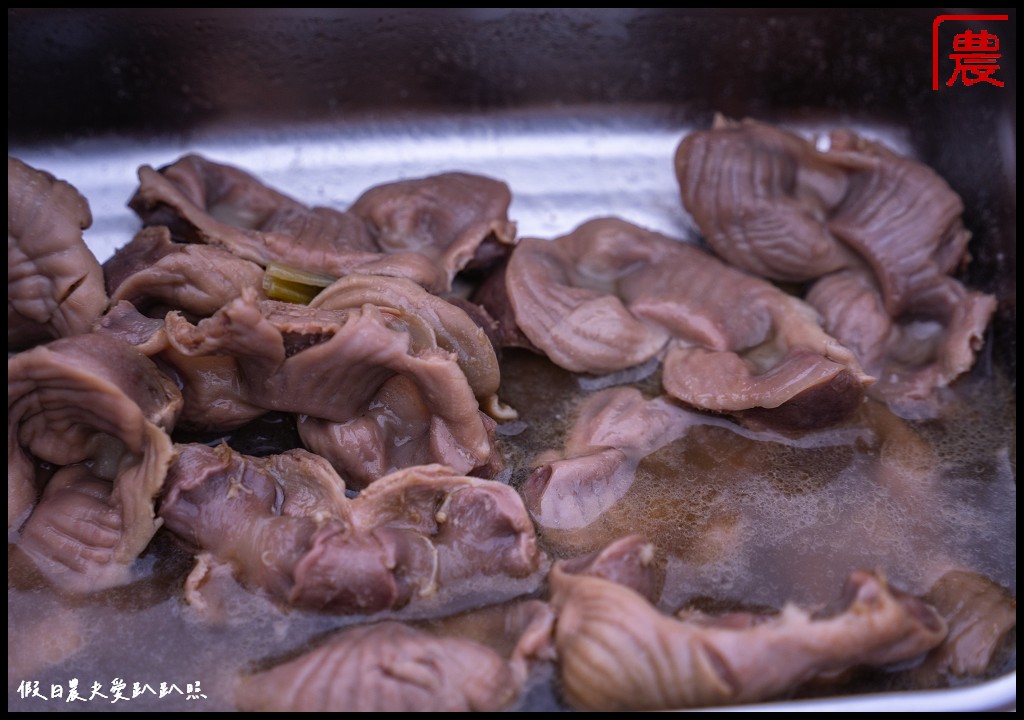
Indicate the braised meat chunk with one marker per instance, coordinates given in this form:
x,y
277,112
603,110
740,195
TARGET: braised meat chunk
x,y
982,620
390,667
760,196
879,232
919,353
899,216
629,562
204,201
425,230
157,275
54,282
432,320
286,528
100,411
611,295
613,430
617,652
456,219
568,299
374,375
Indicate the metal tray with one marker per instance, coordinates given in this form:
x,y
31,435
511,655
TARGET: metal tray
x,y
579,111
